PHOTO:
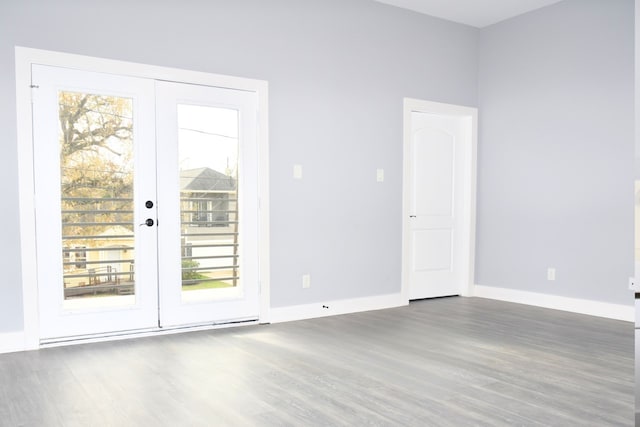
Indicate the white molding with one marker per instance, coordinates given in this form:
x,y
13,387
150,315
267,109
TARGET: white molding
x,y
574,305
14,341
25,58
145,333
133,69
264,273
415,105
26,199
333,308
11,342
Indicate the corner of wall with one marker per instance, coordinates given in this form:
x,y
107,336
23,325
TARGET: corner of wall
x,y
555,302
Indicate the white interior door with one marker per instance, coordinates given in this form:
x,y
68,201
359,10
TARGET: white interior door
x,y
94,163
208,204
438,188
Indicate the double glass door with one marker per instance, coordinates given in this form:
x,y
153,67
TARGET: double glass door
x,y
146,203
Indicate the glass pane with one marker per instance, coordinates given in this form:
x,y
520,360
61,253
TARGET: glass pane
x,y
208,156
96,159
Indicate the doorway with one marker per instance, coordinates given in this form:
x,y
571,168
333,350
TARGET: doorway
x,y
438,199
147,192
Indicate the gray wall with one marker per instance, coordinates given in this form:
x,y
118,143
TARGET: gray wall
x,y
556,129
337,71
556,151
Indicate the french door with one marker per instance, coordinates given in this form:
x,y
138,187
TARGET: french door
x,y
146,203
206,136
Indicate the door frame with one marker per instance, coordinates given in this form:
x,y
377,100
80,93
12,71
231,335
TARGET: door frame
x,y
24,59
415,105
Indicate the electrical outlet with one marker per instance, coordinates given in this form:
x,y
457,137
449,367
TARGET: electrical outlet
x,y
551,273
297,171
306,281
380,175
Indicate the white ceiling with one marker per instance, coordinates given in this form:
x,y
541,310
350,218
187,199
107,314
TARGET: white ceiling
x,y
477,13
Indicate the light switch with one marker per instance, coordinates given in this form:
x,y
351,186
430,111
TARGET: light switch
x,y
306,281
297,171
551,273
380,175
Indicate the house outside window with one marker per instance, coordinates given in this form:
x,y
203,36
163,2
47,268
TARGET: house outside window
x,y
187,250
80,256
211,212
206,196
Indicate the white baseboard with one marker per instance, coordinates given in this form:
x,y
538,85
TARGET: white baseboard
x,y
574,305
11,342
15,341
333,308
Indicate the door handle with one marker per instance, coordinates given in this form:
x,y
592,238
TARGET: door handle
x,y
149,222
412,216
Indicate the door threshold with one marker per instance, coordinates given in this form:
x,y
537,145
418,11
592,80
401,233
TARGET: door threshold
x,y
434,298
143,333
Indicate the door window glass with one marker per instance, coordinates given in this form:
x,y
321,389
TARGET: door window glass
x,y
96,178
208,156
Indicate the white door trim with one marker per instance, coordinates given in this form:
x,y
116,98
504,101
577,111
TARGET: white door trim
x,y
414,105
25,58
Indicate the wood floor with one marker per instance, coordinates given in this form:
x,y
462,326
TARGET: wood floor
x,y
444,362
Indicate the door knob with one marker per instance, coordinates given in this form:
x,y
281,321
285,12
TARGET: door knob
x,y
149,222
149,204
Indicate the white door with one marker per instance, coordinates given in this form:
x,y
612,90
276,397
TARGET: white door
x,y
94,163
134,179
438,207
208,204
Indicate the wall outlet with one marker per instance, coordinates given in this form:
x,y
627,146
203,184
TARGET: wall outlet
x,y
306,281
380,175
551,273
297,171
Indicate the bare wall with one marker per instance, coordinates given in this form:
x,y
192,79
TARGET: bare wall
x,y
337,71
556,156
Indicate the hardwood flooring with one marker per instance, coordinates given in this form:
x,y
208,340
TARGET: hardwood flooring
x,y
443,362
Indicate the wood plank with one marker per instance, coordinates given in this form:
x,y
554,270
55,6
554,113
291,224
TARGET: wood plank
x,y
442,362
